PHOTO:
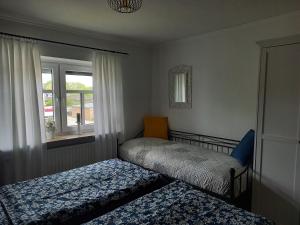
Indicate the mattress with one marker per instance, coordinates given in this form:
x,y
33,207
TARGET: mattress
x,y
204,168
179,203
75,196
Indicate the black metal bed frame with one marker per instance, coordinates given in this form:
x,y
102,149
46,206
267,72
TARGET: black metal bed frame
x,y
222,145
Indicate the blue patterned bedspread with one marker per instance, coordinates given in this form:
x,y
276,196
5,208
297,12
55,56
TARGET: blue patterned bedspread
x,y
179,203
3,217
71,196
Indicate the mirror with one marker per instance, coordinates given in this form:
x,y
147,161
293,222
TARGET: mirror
x,y
180,87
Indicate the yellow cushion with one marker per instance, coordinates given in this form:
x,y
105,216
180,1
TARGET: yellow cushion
x,y
156,127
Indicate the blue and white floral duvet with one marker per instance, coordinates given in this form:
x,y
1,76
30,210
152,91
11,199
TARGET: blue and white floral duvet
x,y
179,203
3,217
73,196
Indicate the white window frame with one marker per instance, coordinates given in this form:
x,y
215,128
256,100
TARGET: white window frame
x,y
54,67
59,68
64,68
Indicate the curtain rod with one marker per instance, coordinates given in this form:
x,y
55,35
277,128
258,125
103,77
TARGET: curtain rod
x,y
63,43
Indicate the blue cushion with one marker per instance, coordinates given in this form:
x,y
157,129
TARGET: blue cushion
x,y
244,150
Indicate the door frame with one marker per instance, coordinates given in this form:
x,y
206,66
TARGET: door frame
x,y
265,46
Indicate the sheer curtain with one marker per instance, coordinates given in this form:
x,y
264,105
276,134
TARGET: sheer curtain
x,y
21,126
108,103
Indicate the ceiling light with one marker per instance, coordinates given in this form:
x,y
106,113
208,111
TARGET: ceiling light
x,y
125,6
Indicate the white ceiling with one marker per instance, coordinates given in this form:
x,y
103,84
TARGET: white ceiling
x,y
156,21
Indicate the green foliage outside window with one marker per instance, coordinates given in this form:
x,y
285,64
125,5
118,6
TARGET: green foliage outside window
x,y
72,99
69,86
48,102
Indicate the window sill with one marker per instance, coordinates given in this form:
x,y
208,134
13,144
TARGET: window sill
x,y
69,140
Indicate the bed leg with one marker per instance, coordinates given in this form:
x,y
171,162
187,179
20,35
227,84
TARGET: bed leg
x,y
118,148
232,174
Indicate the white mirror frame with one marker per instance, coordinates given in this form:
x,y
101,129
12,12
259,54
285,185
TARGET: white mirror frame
x,y
172,73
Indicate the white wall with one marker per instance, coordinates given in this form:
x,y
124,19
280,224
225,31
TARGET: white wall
x,y
225,76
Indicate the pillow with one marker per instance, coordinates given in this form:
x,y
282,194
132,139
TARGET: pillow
x,y
244,150
156,127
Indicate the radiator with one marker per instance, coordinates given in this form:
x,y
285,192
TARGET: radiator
x,y
65,158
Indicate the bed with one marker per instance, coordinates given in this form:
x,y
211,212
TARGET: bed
x,y
76,196
3,218
179,203
200,160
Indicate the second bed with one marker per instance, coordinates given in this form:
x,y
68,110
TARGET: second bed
x,y
203,161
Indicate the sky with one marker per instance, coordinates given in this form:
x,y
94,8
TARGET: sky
x,y
86,80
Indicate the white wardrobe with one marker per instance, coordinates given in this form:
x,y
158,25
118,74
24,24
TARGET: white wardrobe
x,y
276,191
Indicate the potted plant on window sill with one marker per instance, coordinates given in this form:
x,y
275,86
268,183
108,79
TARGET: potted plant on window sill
x,y
50,129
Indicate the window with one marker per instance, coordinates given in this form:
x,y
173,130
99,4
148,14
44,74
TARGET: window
x,y
67,91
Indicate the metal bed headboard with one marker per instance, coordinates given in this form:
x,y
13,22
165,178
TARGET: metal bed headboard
x,y
209,142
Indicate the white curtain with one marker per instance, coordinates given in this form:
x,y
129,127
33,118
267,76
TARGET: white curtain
x,y
21,126
108,103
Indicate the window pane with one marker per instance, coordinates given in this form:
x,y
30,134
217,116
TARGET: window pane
x,y
48,97
47,79
73,107
48,106
88,109
79,82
